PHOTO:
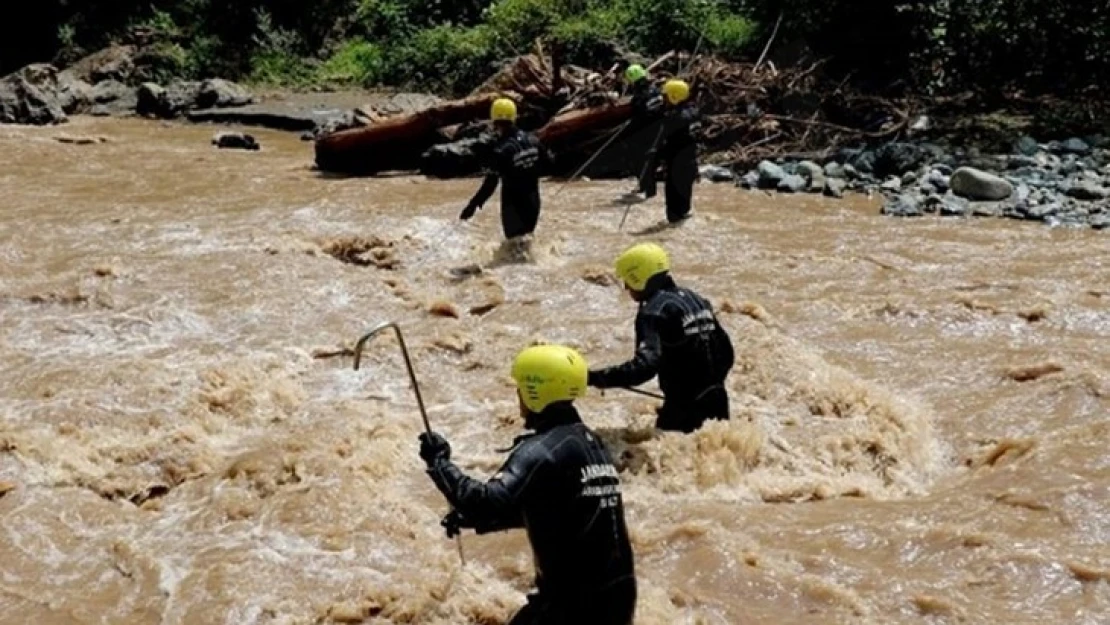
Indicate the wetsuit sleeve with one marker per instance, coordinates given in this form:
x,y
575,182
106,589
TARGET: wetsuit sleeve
x,y
489,185
643,366
496,504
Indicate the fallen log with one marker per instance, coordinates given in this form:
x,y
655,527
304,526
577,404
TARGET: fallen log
x,y
572,137
396,143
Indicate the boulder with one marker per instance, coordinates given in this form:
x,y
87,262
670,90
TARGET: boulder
x,y
770,175
974,184
903,205
31,96
219,93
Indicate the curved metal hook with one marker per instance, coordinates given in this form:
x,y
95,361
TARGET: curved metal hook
x,y
415,387
408,364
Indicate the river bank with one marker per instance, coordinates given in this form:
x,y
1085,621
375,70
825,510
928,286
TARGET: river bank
x,y
923,165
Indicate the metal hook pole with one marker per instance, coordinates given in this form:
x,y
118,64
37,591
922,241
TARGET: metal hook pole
x,y
408,364
415,387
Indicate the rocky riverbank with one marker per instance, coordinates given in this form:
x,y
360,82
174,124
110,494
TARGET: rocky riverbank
x,y
122,81
1059,183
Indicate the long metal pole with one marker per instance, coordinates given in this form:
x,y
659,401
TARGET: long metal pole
x,y
415,387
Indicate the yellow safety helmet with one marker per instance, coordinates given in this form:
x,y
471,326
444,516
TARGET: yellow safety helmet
x,y
503,110
546,374
676,91
637,264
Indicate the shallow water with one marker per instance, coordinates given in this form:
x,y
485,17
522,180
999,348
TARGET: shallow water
x,y
919,406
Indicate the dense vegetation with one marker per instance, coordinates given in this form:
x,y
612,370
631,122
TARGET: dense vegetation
x,y
993,46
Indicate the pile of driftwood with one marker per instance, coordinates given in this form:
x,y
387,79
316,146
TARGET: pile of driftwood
x,y
752,111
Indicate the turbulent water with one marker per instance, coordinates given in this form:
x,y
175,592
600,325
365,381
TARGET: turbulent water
x,y
919,429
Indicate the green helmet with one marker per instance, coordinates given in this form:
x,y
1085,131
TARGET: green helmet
x,y
635,72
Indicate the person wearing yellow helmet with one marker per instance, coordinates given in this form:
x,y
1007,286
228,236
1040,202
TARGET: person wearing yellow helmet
x,y
515,160
560,485
675,148
678,339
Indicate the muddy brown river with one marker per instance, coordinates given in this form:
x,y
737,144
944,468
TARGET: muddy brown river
x,y
919,429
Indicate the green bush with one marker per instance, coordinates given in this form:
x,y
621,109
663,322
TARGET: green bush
x,y
357,61
442,58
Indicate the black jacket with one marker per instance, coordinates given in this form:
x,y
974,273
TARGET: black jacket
x,y
680,126
679,339
647,102
517,161
560,485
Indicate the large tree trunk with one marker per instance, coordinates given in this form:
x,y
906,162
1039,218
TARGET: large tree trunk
x,y
396,144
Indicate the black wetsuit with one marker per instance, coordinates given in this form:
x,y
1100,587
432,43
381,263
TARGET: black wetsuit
x,y
678,150
561,486
645,128
679,339
516,161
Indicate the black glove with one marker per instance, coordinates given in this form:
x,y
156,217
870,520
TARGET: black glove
x,y
452,522
592,378
434,448
468,212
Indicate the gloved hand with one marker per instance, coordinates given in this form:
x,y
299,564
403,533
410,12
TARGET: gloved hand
x,y
434,448
468,212
452,523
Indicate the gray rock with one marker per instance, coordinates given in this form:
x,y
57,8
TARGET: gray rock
x,y
1042,212
1074,146
168,102
30,96
1097,141
770,175
903,205
150,98
715,173
974,184
953,206
219,93
938,179
112,63
834,187
116,94
944,168
814,175
909,178
1026,146
834,169
1022,192
74,95
1100,222
986,209
237,140
896,158
1086,190
749,180
1020,160
863,161
792,183
892,184
927,188
458,158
